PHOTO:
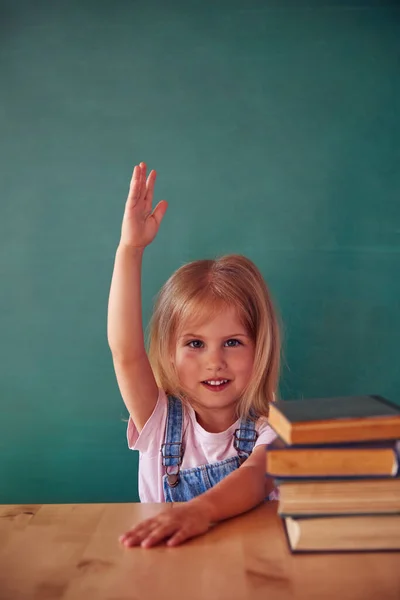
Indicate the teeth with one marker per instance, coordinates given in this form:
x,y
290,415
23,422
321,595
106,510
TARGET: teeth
x,y
216,381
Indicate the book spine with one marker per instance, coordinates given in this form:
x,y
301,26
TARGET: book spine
x,y
320,479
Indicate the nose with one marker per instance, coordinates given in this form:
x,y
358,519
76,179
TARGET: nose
x,y
215,360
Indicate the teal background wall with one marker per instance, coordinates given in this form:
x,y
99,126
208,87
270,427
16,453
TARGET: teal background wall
x,y
274,128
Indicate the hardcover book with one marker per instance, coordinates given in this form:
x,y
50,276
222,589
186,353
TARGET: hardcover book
x,y
335,420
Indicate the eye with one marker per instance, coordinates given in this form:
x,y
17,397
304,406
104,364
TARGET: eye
x,y
195,344
233,343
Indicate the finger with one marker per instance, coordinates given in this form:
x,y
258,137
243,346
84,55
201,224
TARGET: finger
x,y
138,533
146,539
134,175
157,536
145,526
178,538
130,539
135,185
160,211
150,190
134,536
143,168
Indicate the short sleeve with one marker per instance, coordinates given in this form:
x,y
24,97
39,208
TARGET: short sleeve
x,y
266,435
149,440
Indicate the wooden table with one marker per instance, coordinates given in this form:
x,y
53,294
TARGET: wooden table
x,y
71,551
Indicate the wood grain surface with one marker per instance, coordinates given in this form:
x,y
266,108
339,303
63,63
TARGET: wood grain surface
x,y
71,551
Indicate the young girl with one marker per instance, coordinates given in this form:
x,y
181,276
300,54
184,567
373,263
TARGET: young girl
x,y
198,403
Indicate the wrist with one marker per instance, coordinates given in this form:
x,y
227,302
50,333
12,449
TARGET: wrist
x,y
206,507
126,248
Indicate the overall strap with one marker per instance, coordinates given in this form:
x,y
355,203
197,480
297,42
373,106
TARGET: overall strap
x,y
244,438
171,450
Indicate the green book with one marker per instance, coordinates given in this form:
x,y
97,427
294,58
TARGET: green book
x,y
335,420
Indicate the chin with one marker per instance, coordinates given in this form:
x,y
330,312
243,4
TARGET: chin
x,y
216,401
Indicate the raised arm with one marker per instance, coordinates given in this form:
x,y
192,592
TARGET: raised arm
x,y
124,327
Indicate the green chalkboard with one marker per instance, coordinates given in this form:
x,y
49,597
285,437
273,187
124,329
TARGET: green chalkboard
x,y
274,128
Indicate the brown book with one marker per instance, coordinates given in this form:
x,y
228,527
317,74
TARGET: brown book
x,y
365,459
341,496
335,420
360,533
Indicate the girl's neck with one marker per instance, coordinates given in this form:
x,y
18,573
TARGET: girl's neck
x,y
214,421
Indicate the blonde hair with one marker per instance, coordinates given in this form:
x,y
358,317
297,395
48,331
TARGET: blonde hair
x,y
200,290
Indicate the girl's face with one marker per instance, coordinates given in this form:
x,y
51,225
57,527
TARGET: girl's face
x,y
214,360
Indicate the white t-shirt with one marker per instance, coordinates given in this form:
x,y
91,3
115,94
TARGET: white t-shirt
x,y
201,447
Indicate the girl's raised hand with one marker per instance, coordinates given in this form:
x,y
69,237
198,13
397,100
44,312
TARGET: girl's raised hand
x,y
140,223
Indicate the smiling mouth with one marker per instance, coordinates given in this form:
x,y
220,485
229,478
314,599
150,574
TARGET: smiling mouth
x,y
216,385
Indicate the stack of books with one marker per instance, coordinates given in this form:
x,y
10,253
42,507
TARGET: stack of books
x,y
336,465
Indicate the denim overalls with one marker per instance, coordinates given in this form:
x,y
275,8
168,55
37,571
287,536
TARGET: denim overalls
x,y
180,486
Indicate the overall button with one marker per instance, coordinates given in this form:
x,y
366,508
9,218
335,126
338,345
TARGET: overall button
x,y
173,479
